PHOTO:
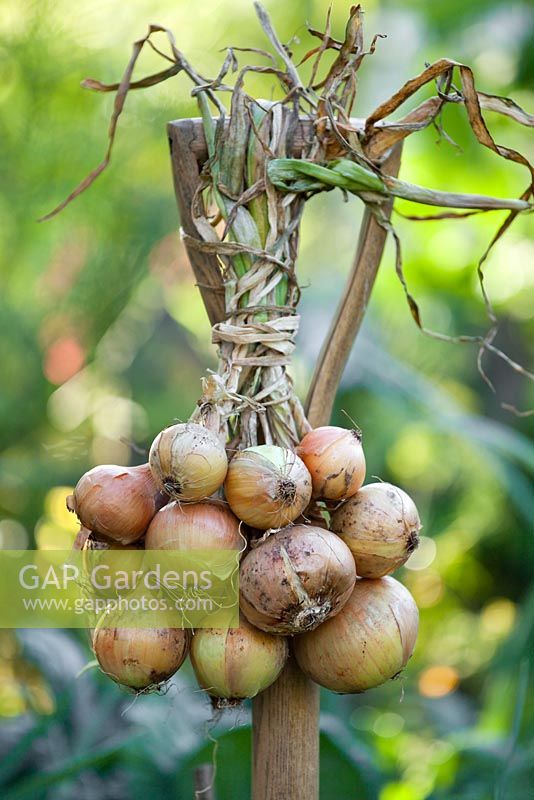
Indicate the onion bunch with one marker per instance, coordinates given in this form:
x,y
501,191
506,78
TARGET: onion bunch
x,y
352,628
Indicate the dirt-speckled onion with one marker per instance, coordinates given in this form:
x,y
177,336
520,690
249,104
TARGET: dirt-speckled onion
x,y
140,657
335,460
195,526
236,663
188,461
116,502
267,486
367,643
296,579
380,524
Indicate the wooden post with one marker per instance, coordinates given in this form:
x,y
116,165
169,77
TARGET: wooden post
x,y
285,717
285,738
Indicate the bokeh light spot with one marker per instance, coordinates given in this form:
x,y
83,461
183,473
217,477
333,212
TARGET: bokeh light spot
x,y
420,458
427,588
63,359
50,536
498,617
13,535
69,405
56,509
400,791
438,681
363,718
388,725
109,451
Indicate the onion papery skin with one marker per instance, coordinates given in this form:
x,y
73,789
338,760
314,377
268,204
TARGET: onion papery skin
x,y
140,657
312,518
116,502
198,526
81,538
94,542
367,643
296,579
335,460
94,555
188,462
236,663
267,486
380,525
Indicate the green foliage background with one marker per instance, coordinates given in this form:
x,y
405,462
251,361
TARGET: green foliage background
x,y
103,340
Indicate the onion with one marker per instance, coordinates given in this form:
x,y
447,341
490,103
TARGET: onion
x,y
188,461
235,663
367,643
94,554
267,486
380,524
296,579
117,502
335,460
91,546
198,526
140,657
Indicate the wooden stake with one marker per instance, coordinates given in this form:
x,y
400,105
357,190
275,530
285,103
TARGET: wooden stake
x,y
285,738
285,717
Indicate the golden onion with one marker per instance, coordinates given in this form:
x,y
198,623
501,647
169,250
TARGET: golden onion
x,y
116,502
196,526
140,657
267,486
236,663
335,460
367,643
380,525
188,461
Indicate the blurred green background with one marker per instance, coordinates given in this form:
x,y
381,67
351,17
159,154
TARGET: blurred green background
x,y
103,340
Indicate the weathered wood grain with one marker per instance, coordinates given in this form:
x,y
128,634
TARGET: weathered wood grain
x,y
285,730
